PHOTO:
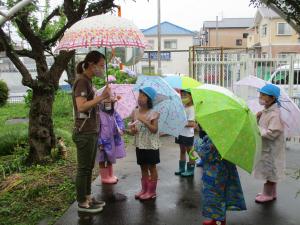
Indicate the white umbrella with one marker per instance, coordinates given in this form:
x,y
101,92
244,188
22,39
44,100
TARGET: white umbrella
x,y
290,113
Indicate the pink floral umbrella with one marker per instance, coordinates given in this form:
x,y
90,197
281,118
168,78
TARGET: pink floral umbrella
x,y
125,96
105,31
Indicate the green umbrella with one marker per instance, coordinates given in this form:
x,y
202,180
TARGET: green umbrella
x,y
229,123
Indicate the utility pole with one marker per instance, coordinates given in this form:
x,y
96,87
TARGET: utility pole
x,y
158,39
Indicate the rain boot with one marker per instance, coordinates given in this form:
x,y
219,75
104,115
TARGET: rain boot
x,y
266,195
214,222
151,190
181,168
144,185
190,170
105,178
111,172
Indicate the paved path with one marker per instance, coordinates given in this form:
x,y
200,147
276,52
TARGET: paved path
x,y
179,199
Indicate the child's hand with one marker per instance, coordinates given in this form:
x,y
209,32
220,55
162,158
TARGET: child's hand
x,y
100,147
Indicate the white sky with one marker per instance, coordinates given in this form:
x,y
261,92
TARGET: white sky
x,y
189,14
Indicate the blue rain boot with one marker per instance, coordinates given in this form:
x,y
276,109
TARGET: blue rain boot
x,y
181,168
189,171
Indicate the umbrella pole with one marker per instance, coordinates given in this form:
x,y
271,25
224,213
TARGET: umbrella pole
x,y
106,70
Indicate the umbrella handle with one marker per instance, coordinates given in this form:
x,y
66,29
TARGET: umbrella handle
x,y
106,70
191,155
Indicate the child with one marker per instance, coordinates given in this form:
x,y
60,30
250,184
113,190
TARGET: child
x,y
110,142
222,189
186,137
271,165
144,126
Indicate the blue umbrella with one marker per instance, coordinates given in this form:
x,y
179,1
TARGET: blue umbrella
x,y
172,114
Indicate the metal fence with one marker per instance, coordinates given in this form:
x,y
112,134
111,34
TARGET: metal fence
x,y
225,66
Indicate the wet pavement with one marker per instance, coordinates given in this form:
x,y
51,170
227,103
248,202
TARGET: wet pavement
x,y
179,199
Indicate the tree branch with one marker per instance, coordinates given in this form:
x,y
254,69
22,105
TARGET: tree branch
x,y
55,12
25,52
11,54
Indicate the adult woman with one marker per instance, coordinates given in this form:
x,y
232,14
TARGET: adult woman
x,y
86,127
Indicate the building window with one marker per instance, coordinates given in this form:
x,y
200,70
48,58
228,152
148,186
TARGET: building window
x,y
264,55
150,44
170,44
264,30
283,29
245,35
238,42
284,55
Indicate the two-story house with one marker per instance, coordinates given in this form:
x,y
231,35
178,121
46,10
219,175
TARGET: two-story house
x,y
272,36
228,32
175,43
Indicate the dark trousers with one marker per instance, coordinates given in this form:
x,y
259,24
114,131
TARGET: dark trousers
x,y
86,153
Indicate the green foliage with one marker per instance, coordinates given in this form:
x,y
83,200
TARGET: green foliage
x,y
28,98
121,77
3,93
11,136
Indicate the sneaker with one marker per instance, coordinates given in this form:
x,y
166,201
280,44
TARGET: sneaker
x,y
96,202
90,209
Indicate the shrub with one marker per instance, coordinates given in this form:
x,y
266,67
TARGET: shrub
x,y
3,93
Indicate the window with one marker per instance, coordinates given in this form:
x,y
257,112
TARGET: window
x,y
150,44
264,30
284,55
297,77
245,35
238,42
170,44
283,29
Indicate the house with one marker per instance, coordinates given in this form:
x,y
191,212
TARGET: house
x,y
272,36
175,43
228,32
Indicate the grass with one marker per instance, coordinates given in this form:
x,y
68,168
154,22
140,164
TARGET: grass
x,y
32,194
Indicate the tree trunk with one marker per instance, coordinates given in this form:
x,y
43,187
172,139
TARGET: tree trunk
x,y
41,134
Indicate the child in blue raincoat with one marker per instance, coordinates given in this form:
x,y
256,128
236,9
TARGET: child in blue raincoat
x,y
222,189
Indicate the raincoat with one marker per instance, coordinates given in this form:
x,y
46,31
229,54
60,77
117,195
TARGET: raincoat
x,y
222,189
271,164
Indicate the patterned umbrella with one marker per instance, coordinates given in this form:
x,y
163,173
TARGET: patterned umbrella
x,y
172,115
125,96
106,31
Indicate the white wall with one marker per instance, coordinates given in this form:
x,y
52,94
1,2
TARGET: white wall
x,y
179,60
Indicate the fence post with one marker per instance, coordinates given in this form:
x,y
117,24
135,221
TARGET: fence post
x,y
291,75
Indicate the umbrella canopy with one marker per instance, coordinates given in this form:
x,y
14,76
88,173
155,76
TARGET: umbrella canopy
x,y
289,111
125,96
218,110
120,35
181,82
172,114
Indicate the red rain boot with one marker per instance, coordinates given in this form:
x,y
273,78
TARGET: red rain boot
x,y
214,222
111,172
151,190
144,185
105,178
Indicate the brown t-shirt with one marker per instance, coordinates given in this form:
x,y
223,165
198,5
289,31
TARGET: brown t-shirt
x,y
87,122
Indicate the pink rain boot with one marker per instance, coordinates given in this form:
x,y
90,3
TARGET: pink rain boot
x,y
267,194
111,173
151,190
105,178
144,184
